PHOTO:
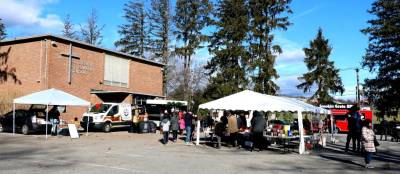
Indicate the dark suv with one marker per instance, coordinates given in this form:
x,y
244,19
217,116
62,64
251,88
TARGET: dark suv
x,y
26,121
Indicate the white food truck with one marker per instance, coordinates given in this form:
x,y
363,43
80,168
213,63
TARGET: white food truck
x,y
155,108
106,116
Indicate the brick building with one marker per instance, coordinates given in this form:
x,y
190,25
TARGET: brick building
x,y
84,70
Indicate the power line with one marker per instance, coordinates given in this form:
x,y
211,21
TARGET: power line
x,y
340,69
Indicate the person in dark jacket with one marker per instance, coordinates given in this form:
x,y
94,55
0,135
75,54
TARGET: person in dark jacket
x,y
384,128
174,126
359,125
258,124
243,122
239,122
188,126
354,133
54,117
220,129
350,133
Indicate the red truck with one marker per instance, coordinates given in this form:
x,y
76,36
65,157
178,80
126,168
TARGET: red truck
x,y
340,114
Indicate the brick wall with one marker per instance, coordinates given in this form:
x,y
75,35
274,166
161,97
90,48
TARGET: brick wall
x,y
29,61
26,59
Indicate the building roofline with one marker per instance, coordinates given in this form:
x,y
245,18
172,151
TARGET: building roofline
x,y
36,37
126,92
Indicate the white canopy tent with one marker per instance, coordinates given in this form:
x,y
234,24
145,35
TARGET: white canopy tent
x,y
49,97
252,101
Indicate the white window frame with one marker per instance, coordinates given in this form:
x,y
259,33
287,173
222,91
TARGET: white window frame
x,y
117,82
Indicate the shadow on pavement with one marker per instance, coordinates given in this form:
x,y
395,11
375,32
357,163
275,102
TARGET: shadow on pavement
x,y
335,152
24,157
340,159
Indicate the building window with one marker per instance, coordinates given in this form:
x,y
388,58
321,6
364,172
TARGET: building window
x,y
116,71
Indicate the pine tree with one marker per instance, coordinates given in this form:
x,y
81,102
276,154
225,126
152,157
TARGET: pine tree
x,y
91,32
383,56
322,72
190,19
2,31
160,31
6,72
265,17
68,30
134,35
227,67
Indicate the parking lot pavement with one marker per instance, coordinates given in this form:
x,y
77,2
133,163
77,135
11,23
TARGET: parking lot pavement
x,y
122,152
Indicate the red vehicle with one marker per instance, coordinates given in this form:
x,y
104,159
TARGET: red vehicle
x,y
341,113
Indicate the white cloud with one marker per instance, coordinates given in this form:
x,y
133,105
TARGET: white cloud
x,y
292,53
288,85
289,58
27,16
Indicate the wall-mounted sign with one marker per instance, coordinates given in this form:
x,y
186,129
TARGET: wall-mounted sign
x,y
81,67
336,106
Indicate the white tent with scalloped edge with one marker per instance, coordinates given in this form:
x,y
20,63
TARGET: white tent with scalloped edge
x,y
49,97
252,101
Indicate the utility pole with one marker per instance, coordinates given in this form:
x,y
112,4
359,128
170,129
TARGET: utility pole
x,y
358,88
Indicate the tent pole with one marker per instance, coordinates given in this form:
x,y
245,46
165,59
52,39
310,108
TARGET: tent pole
x,y
331,127
198,132
312,115
198,129
251,117
47,118
301,131
13,118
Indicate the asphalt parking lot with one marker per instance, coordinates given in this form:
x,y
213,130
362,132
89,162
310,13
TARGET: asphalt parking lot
x,y
122,152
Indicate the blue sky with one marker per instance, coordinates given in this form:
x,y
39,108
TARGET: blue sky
x,y
341,21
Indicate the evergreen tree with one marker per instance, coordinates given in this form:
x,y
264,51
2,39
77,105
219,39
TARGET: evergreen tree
x,y
227,67
383,55
190,19
2,31
91,32
134,35
265,17
160,31
322,72
68,30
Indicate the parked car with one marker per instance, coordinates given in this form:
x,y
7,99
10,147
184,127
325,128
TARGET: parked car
x,y
26,121
394,130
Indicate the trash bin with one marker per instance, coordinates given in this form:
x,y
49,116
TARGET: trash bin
x,y
133,128
153,127
144,127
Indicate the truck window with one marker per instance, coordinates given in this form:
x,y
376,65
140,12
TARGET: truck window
x,y
100,108
340,117
113,111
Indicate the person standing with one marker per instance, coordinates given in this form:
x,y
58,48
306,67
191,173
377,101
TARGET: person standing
x,y
384,128
350,133
258,124
243,121
174,126
54,116
233,129
181,122
165,123
358,127
188,126
220,129
368,137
